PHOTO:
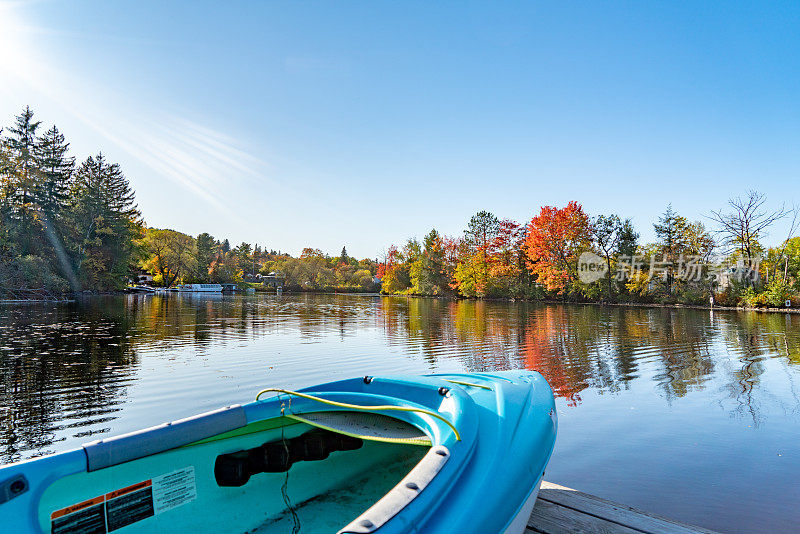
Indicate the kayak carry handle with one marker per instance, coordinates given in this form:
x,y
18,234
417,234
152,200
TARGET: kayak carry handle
x,y
364,408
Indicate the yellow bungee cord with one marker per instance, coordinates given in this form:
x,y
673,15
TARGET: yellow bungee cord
x,y
364,408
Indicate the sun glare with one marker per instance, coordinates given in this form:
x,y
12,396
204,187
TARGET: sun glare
x,y
15,61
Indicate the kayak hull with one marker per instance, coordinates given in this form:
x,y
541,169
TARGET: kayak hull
x,y
520,521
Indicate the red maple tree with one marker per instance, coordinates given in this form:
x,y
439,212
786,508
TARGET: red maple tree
x,y
554,240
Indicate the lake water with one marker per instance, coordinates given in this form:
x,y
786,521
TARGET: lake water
x,y
690,414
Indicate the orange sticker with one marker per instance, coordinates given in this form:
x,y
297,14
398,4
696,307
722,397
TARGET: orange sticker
x,y
76,507
139,485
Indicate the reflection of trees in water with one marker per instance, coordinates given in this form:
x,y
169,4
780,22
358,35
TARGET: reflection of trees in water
x,y
417,325
59,375
580,347
318,316
65,369
683,340
575,347
549,349
439,329
750,340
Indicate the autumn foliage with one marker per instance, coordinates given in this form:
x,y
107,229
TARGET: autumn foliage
x,y
555,239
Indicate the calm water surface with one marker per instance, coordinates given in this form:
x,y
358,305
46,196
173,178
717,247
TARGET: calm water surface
x,y
690,414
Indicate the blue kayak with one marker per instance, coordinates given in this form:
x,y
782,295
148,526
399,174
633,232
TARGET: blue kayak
x,y
434,454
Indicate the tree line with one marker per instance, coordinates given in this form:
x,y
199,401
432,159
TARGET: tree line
x,y
67,226
174,257
64,225
688,263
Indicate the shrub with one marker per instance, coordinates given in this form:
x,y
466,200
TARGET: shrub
x,y
692,296
30,273
749,297
777,293
725,298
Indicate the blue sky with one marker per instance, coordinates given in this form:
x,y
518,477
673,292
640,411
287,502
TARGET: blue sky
x,y
338,123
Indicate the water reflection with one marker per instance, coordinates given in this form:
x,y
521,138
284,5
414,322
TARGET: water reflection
x,y
111,364
604,349
59,372
68,367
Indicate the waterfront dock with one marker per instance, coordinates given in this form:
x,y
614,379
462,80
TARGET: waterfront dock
x,y
561,510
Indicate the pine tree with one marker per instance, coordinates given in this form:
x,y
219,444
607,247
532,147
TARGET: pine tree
x,y
105,220
6,188
23,179
671,232
628,239
481,231
206,248
56,170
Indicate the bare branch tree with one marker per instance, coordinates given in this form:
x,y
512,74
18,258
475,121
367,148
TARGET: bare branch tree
x,y
746,224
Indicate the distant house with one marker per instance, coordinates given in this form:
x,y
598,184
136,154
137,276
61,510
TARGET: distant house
x,y
143,277
273,279
738,272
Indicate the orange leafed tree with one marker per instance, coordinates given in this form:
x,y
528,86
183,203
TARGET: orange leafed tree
x,y
505,248
555,239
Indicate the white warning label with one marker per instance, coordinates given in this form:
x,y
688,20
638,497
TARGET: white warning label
x,y
173,489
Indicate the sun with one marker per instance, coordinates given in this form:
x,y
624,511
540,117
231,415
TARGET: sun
x,y
15,60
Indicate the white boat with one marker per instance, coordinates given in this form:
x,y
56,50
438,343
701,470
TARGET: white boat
x,y
201,288
140,289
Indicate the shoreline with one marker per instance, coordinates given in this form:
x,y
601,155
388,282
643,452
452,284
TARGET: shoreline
x,y
71,298
691,306
617,304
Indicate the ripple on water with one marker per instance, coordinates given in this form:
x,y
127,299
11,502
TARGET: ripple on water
x,y
631,383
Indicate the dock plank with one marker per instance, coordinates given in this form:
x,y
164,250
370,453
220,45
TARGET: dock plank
x,y
551,518
560,509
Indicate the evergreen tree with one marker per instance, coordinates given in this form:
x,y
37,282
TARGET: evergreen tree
x,y
343,257
6,188
427,272
671,232
481,231
56,170
105,220
22,180
628,239
206,248
606,232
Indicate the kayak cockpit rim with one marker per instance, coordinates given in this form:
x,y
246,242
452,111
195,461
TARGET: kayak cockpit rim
x,y
401,495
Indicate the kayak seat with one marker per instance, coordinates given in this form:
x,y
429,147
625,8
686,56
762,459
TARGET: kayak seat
x,y
366,425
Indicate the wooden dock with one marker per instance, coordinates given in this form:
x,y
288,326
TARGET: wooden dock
x,y
561,510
